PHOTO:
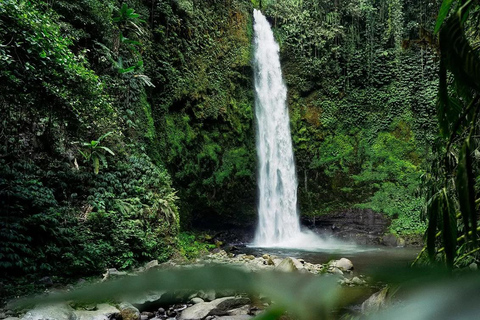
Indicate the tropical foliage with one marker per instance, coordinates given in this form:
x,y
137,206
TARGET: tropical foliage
x,y
124,120
452,181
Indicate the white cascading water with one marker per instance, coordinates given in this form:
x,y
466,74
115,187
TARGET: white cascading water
x,y
279,224
277,181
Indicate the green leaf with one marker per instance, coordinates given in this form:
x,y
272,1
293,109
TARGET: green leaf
x,y
432,213
442,14
127,70
449,228
96,164
465,188
458,55
105,135
107,149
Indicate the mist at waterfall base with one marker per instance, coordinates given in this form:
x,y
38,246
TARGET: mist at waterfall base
x,y
278,225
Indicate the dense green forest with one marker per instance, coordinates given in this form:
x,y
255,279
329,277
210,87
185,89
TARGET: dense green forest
x,y
127,123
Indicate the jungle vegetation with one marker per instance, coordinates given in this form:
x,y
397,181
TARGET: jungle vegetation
x,y
125,122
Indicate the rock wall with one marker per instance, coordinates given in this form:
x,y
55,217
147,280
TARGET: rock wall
x,y
363,226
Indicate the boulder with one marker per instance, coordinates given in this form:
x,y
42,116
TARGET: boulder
x,y
357,281
217,307
128,311
289,264
150,301
375,302
59,311
243,310
103,312
336,270
276,261
343,264
196,300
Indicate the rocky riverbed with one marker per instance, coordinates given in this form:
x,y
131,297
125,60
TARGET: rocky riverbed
x,y
200,304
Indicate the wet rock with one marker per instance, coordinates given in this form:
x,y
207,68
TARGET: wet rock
x,y
363,226
196,300
336,270
58,311
289,264
343,264
244,310
357,281
128,311
217,307
473,266
238,317
11,318
375,302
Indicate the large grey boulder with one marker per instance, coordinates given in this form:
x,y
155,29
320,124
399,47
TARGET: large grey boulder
x,y
343,264
59,311
217,307
103,312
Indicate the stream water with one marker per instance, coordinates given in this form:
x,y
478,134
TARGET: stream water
x,y
364,258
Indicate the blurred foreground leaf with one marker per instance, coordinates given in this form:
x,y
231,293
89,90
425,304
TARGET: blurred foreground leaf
x,y
303,295
456,298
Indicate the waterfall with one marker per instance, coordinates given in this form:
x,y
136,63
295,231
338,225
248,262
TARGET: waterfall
x,y
278,224
277,181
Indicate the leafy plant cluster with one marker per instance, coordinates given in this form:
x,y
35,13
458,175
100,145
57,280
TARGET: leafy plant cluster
x,y
78,192
452,183
200,65
55,217
192,246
